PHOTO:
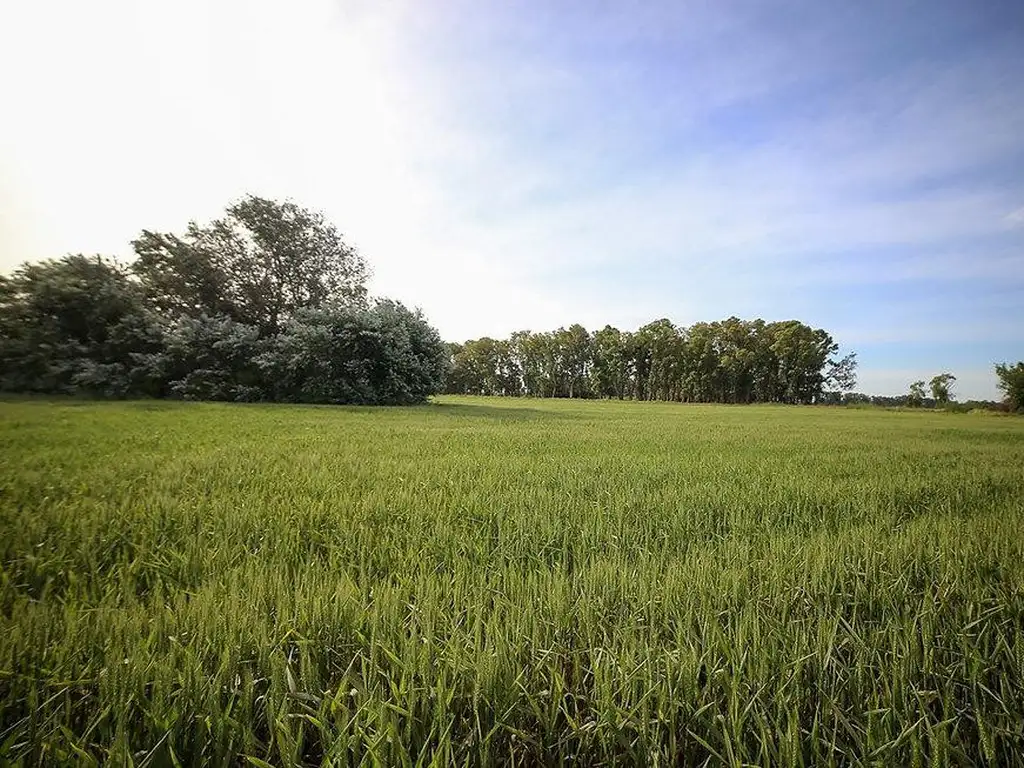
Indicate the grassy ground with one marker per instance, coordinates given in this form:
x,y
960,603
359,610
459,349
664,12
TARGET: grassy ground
x,y
485,581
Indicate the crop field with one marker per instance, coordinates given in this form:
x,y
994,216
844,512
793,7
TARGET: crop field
x,y
509,582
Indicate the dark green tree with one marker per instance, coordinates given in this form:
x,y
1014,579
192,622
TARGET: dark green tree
x,y
1011,382
265,303
382,355
576,356
609,370
76,325
212,358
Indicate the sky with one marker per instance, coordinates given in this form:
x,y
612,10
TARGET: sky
x,y
528,165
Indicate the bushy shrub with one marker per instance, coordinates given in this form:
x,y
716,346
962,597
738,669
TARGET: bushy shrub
x,y
76,325
384,355
211,358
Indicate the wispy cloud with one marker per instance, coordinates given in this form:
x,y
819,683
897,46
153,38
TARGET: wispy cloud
x,y
1015,218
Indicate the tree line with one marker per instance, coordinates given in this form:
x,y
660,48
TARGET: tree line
x,y
939,394
269,303
729,361
266,303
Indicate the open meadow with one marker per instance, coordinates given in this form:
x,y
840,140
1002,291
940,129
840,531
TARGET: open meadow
x,y
484,581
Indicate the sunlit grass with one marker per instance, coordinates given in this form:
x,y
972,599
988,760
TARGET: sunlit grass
x,y
484,581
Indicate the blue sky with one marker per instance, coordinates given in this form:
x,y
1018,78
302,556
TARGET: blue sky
x,y
857,166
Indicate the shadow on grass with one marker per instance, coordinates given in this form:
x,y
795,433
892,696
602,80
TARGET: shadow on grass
x,y
522,413
472,410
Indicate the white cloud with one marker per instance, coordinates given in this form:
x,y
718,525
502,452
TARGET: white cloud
x,y
1015,218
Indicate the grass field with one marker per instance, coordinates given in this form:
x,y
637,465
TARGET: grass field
x,y
483,581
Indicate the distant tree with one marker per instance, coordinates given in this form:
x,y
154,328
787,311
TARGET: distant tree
x,y
661,349
732,361
453,381
702,376
1011,382
484,366
738,356
916,397
528,350
841,374
855,398
575,355
637,349
896,401
547,350
940,386
609,371
802,354
259,264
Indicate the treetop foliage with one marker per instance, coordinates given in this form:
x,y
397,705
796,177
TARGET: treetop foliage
x,y
731,361
259,265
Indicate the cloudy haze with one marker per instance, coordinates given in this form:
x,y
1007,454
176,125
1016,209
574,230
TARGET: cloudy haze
x,y
857,166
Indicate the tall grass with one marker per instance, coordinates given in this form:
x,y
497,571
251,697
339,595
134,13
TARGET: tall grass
x,y
498,582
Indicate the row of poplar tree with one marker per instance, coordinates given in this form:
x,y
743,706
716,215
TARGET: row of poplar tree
x,y
730,361
267,303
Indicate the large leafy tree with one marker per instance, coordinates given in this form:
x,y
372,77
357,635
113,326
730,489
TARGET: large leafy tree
x,y
212,358
259,264
76,324
265,303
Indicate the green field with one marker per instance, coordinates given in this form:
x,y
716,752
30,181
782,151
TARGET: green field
x,y
521,582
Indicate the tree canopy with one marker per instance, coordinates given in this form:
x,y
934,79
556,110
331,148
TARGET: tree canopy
x,y
731,361
259,264
266,303
79,324
1011,382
